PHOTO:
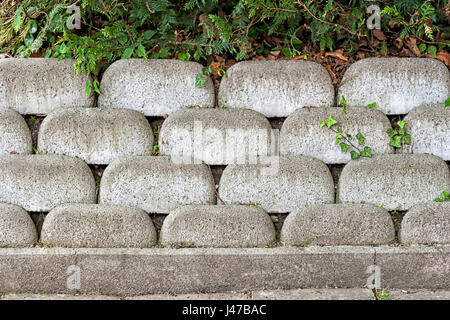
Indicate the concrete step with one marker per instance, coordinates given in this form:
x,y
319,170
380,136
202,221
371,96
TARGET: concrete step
x,y
216,136
15,136
98,226
98,136
218,226
129,272
154,87
397,85
281,186
38,183
40,85
429,127
338,224
276,88
16,227
156,184
302,135
395,181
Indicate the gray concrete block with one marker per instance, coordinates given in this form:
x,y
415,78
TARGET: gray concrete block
x,y
427,223
399,181
154,87
296,182
421,294
216,136
15,136
338,224
160,270
429,127
156,184
38,183
397,85
218,226
276,88
98,136
40,85
16,227
302,135
315,294
415,267
98,226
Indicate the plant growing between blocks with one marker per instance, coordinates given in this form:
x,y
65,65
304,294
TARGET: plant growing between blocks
x,y
344,139
399,137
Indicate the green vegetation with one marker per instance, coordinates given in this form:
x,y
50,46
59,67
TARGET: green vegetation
x,y
200,30
399,137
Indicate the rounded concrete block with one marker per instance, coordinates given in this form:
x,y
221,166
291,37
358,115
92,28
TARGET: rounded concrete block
x,y
397,85
98,136
38,183
40,85
98,226
399,181
427,223
156,184
216,136
218,226
15,136
338,224
16,227
291,183
302,135
276,88
154,87
429,127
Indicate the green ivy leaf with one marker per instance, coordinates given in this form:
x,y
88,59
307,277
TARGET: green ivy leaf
x,y
446,195
354,155
140,51
367,152
422,47
344,147
401,124
391,132
331,122
447,102
184,56
396,141
432,50
200,80
438,200
371,105
407,139
321,123
338,138
360,138
349,136
127,53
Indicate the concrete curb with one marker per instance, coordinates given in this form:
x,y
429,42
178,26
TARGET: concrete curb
x,y
161,270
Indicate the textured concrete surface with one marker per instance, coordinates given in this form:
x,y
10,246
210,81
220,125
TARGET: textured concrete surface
x,y
298,181
128,272
418,267
293,294
302,135
399,181
155,87
429,127
397,85
95,135
16,227
427,223
156,184
276,88
38,183
40,85
421,294
15,136
216,136
98,226
218,226
338,224
315,294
